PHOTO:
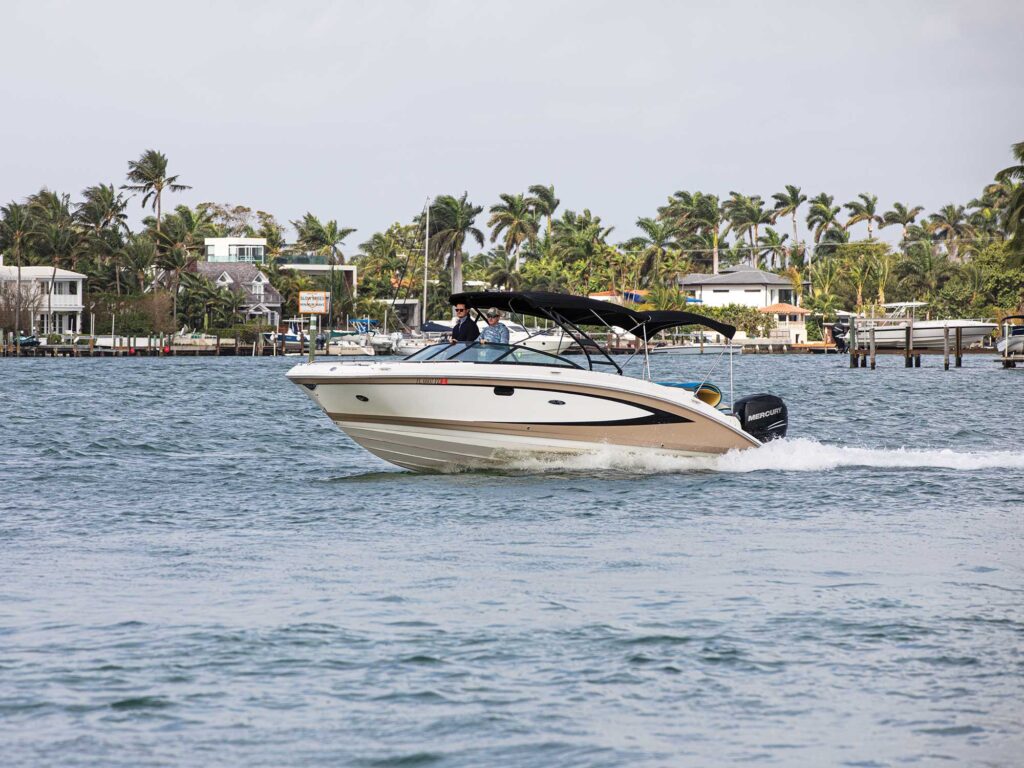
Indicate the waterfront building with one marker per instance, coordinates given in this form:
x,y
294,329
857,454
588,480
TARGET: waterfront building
x,y
740,284
790,324
405,311
316,265
51,300
232,250
262,300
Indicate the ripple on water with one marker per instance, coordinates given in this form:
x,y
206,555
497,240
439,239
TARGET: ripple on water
x,y
199,568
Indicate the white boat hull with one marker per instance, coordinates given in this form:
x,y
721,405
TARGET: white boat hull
x,y
450,417
696,349
1016,345
927,334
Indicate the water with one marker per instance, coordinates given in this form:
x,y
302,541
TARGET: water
x,y
199,569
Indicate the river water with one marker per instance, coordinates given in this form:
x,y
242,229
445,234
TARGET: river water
x,y
199,569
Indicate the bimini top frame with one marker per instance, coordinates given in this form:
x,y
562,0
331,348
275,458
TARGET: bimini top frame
x,y
571,312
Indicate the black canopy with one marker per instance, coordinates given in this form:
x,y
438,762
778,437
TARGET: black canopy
x,y
580,310
660,320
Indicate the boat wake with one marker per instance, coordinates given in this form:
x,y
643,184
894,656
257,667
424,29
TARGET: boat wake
x,y
786,455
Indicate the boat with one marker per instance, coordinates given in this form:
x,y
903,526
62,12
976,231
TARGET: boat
x,y
695,344
891,329
1012,342
457,406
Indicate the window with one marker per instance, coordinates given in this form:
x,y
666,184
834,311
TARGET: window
x,y
73,288
246,253
209,251
752,290
719,290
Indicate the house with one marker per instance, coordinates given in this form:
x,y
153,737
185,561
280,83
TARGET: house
x,y
741,284
231,250
46,312
316,265
405,311
262,301
790,322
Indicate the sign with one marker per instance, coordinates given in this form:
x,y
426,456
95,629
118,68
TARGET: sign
x,y
313,302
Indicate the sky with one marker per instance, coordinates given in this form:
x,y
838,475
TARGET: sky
x,y
360,111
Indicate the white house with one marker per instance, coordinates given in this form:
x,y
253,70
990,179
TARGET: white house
x,y
56,312
742,285
315,265
228,250
790,322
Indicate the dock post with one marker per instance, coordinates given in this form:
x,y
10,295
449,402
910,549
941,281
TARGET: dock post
x,y
218,345
917,360
853,342
872,343
945,347
959,347
908,334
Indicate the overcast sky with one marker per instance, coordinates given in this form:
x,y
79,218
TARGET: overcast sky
x,y
359,111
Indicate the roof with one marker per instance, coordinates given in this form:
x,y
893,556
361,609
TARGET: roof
x,y
242,275
7,272
784,309
741,274
580,310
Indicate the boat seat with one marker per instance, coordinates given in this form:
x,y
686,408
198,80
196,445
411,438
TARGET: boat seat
x,y
706,392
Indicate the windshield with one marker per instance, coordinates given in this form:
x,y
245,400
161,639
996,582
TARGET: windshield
x,y
512,354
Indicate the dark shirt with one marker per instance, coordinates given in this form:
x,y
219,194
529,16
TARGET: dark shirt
x,y
465,330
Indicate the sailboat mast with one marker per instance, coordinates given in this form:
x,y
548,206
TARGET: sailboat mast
x,y
426,260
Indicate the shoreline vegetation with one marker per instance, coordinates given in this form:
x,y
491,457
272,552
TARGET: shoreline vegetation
x,y
965,260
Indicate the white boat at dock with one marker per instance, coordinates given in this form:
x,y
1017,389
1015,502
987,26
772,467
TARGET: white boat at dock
x,y
890,330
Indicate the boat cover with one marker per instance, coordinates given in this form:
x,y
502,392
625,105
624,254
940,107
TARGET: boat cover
x,y
580,310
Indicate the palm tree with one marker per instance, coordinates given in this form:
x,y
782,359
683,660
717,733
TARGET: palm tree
x,y
148,177
180,245
772,249
502,270
577,241
516,218
822,216
901,215
787,203
923,273
951,225
451,220
139,256
325,239
55,236
15,232
102,215
864,209
747,215
543,202
657,240
706,213
1013,219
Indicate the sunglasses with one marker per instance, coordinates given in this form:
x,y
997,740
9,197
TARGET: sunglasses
x,y
459,310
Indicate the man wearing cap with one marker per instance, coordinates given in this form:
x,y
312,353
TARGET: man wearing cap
x,y
495,332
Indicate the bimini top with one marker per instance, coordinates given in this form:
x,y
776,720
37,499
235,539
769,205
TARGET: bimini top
x,y
580,310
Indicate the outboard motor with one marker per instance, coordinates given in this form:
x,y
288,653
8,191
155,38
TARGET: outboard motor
x,y
763,416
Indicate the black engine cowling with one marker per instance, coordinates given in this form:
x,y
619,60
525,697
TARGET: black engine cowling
x,y
763,416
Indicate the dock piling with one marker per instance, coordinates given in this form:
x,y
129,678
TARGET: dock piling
x,y
945,347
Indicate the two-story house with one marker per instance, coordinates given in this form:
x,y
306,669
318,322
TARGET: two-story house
x,y
741,284
44,310
262,301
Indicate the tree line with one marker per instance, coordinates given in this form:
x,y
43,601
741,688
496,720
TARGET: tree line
x,y
964,259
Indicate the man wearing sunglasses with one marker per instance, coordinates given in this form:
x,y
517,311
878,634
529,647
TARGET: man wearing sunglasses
x,y
465,329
